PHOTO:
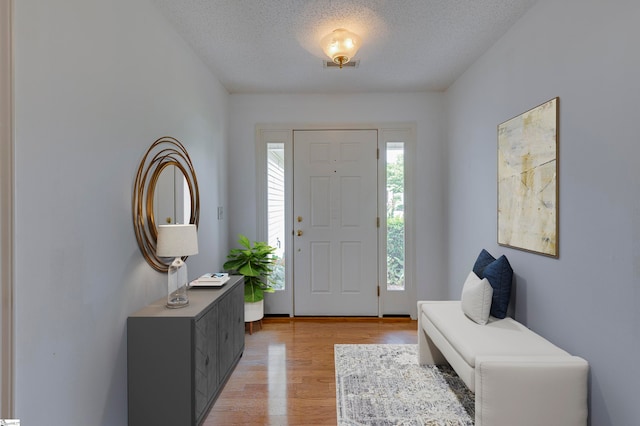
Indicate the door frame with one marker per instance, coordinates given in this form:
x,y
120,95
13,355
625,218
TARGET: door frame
x,y
7,343
282,302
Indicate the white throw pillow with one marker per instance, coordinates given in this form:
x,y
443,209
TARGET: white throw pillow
x,y
476,298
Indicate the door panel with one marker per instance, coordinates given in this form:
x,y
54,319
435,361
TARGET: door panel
x,y
335,231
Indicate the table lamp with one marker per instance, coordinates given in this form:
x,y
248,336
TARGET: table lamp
x,y
177,241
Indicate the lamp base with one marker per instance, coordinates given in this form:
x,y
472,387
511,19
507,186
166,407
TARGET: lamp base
x,y
177,285
177,302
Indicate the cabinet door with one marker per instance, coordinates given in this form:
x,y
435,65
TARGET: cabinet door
x,y
206,373
238,317
225,335
212,351
231,331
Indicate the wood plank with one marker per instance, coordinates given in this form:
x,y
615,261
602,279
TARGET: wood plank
x,y
286,375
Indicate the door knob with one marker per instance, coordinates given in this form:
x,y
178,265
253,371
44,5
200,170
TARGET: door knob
x,y
299,233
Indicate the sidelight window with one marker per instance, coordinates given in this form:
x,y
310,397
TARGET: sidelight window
x,y
276,209
395,216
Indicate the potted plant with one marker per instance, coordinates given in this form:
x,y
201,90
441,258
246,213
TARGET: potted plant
x,y
256,264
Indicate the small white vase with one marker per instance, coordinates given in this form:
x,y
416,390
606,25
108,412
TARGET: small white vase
x,y
253,311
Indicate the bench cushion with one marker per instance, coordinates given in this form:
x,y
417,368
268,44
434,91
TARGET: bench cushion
x,y
498,337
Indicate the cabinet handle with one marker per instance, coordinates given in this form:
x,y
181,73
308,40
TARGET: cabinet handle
x,y
206,361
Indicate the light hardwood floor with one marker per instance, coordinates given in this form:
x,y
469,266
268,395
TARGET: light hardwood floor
x,y
286,375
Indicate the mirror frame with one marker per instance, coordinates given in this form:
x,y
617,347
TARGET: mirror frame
x,y
164,152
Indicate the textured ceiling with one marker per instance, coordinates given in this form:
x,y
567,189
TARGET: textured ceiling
x,y
272,46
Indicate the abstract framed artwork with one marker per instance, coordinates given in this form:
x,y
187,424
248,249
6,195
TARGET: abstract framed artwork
x,y
528,180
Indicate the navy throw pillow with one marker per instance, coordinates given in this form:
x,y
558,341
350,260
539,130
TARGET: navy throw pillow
x,y
483,260
500,276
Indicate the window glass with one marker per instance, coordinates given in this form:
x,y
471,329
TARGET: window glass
x,y
395,216
276,209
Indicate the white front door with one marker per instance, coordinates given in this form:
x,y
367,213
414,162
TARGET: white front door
x,y
335,222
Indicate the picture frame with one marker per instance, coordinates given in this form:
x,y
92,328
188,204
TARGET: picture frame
x,y
528,180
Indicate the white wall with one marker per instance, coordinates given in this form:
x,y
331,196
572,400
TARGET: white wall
x,y
586,301
96,83
425,109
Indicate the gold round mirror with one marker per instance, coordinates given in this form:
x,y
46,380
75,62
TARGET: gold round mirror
x,y
165,191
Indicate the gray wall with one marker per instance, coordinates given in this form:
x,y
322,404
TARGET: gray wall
x,y
96,83
586,301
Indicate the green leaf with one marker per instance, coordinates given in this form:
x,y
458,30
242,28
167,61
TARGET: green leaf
x,y
248,270
253,293
244,241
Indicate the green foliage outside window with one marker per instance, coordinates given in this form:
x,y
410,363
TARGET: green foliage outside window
x,y
395,224
395,253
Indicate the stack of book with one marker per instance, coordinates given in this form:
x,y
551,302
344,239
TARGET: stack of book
x,y
217,279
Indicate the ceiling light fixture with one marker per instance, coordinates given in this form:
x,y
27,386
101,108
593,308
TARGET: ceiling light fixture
x,y
341,45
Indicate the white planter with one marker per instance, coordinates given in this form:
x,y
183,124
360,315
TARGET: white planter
x,y
253,311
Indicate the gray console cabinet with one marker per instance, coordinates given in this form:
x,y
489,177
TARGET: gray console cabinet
x,y
178,360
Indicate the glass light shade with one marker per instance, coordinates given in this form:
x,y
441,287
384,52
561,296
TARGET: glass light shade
x,y
177,241
341,45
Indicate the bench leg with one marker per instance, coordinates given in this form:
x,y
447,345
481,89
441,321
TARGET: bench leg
x,y
428,353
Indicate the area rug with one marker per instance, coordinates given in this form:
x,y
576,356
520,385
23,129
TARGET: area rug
x,y
383,385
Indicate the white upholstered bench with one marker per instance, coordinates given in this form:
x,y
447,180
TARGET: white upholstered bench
x,y
518,377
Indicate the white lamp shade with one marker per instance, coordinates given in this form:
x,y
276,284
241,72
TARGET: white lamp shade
x,y
177,240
